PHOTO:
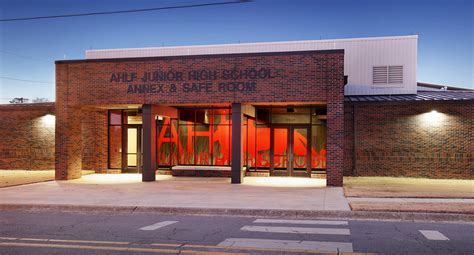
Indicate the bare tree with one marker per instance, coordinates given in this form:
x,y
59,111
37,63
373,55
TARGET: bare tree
x,y
40,100
19,100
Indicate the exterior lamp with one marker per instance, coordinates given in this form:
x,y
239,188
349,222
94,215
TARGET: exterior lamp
x,y
49,119
433,118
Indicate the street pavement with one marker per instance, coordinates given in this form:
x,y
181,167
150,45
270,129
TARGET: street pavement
x,y
141,233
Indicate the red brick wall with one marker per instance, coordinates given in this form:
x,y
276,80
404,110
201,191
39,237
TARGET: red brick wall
x,y
348,139
68,138
402,140
27,136
304,77
94,137
115,144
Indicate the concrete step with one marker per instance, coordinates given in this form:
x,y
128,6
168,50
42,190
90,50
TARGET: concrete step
x,y
201,171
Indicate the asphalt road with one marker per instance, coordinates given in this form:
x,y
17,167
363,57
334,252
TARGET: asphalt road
x,y
138,233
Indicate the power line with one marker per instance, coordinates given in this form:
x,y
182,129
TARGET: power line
x,y
25,57
124,11
15,79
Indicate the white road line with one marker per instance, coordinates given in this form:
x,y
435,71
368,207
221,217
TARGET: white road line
x,y
297,230
158,225
288,245
309,222
8,238
434,235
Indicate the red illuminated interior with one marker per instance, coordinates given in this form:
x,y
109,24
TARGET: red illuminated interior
x,y
186,145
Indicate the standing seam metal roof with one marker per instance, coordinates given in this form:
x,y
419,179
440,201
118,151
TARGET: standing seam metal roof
x,y
420,97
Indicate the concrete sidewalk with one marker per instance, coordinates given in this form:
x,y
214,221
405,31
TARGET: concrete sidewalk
x,y
257,196
260,193
20,177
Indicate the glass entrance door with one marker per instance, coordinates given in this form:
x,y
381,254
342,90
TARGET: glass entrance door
x,y
289,150
281,151
300,147
132,150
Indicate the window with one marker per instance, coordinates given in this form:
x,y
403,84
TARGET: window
x,y
198,137
318,138
309,125
387,75
167,146
262,143
318,146
115,139
132,117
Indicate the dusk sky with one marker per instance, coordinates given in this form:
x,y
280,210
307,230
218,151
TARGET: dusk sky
x,y
28,48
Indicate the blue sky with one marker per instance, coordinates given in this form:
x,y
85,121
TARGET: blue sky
x,y
28,48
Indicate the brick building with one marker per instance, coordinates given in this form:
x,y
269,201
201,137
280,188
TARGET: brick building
x,y
305,108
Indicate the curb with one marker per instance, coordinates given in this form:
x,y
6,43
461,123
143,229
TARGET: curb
x,y
348,215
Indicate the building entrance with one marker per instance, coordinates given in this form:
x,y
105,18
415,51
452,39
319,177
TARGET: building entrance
x,y
277,141
290,151
132,149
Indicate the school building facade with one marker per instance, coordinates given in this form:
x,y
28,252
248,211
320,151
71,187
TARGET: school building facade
x,y
320,109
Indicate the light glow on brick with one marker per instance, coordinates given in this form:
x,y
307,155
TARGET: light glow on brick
x,y
48,120
433,118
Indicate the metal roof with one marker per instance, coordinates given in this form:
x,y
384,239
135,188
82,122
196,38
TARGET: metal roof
x,y
421,96
234,48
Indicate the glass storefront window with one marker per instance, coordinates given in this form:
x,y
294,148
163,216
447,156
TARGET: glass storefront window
x,y
263,115
115,117
202,136
221,111
202,145
132,117
132,149
221,145
202,116
186,116
318,117
164,154
167,149
280,148
318,147
262,146
222,119
115,139
300,148
186,149
249,144
307,125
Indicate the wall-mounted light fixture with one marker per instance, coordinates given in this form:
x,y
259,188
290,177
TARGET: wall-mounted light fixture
x,y
433,118
48,120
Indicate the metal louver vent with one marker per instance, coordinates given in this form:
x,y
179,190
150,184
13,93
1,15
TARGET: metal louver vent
x,y
387,74
379,75
395,74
